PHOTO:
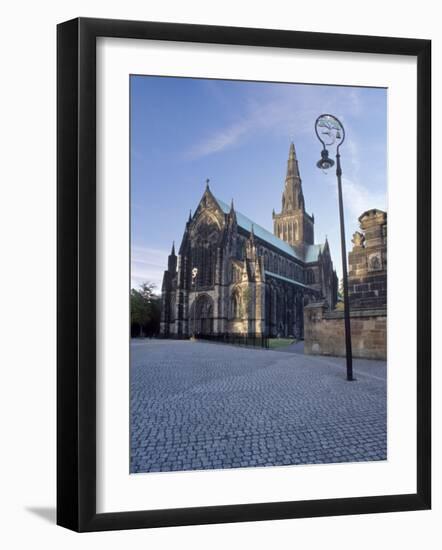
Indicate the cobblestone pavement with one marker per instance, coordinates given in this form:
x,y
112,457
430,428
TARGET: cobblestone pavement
x,y
198,405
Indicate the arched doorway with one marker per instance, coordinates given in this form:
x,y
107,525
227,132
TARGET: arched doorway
x,y
202,315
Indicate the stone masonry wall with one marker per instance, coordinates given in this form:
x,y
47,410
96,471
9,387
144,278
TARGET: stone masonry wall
x,y
324,332
367,277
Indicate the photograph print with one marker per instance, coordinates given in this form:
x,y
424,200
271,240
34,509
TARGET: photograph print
x,y
258,274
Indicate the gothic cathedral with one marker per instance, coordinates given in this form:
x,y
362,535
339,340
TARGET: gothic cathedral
x,y
233,276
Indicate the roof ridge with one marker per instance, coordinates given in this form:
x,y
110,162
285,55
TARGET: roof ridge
x,y
272,239
264,234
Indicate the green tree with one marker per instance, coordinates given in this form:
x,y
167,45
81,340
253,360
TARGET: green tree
x,y
145,310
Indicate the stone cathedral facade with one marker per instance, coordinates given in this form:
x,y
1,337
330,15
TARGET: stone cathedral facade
x,y
245,279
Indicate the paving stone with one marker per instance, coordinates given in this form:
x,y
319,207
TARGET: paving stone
x,y
197,405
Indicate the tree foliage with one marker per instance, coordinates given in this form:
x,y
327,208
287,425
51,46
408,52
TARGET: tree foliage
x,y
145,310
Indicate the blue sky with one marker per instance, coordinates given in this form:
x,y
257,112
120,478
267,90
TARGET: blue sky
x,y
238,134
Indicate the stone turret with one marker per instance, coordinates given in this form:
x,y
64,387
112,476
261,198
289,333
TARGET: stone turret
x,y
251,246
172,261
368,262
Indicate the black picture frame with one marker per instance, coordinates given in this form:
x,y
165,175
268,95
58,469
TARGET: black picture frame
x,y
76,274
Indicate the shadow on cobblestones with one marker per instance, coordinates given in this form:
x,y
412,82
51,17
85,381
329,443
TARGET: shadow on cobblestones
x,y
196,405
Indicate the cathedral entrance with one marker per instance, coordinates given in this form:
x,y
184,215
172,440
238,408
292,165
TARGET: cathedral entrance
x,y
202,315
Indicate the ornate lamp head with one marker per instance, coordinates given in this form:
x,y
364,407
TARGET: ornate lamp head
x,y
324,163
329,131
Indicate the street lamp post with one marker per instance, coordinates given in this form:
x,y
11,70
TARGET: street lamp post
x,y
194,276
330,131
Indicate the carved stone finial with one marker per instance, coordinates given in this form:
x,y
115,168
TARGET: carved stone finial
x,y
358,240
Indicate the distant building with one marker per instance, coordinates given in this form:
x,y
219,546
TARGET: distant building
x,y
248,280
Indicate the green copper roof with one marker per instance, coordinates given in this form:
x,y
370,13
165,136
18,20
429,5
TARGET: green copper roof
x,y
312,250
260,232
291,281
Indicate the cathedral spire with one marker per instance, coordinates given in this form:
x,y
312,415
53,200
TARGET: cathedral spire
x,y
292,198
190,216
292,163
173,249
293,225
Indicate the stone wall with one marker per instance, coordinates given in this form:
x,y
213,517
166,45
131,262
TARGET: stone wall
x,y
325,335
324,331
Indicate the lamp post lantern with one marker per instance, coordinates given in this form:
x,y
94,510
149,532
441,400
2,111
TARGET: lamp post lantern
x,y
330,131
194,276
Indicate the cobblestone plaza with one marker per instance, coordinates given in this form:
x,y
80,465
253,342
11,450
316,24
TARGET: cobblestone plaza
x,y
198,405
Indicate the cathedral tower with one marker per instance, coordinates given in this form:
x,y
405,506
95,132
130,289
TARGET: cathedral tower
x,y
293,224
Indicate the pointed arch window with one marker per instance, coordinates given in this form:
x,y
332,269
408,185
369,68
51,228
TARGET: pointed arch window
x,y
235,305
266,260
295,231
204,253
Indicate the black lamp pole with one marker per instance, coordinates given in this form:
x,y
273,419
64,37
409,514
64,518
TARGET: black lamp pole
x,y
333,131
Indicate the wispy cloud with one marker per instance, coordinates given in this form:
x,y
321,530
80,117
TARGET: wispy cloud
x,y
278,114
353,156
284,112
358,198
148,265
357,194
354,101
222,139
